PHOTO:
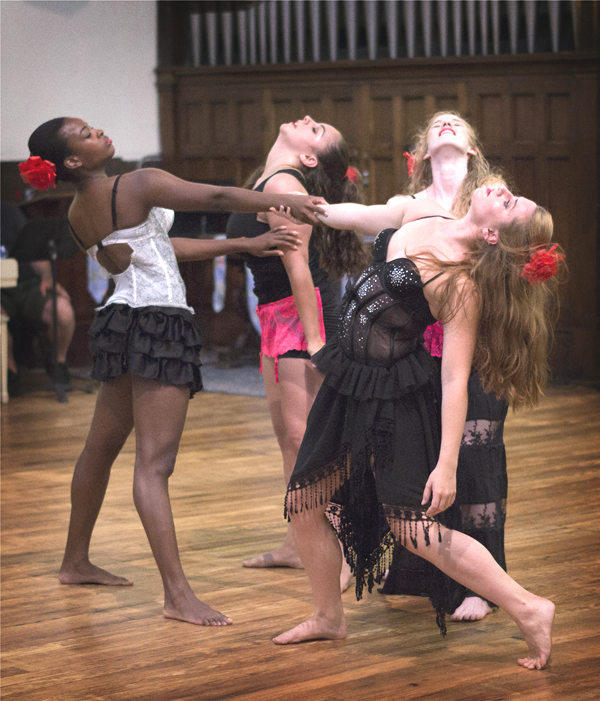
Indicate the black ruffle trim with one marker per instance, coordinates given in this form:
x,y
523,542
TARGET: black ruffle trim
x,y
159,343
364,382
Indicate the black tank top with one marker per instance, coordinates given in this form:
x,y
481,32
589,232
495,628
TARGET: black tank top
x,y
271,282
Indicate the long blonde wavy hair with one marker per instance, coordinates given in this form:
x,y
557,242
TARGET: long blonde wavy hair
x,y
515,317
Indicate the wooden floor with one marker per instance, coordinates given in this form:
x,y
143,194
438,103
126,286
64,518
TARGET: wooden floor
x,y
83,643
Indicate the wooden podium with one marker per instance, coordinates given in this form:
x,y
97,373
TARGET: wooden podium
x,y
9,272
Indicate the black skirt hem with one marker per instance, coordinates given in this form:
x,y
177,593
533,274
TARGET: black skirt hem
x,y
158,343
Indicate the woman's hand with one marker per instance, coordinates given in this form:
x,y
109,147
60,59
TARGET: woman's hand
x,y
440,489
300,209
286,212
274,243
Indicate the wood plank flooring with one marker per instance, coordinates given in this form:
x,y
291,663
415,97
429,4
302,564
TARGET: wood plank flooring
x,y
93,643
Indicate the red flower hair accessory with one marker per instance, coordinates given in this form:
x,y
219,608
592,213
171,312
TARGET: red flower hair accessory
x,y
351,174
38,173
542,266
410,161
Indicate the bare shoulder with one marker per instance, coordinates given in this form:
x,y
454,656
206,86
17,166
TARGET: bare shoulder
x,y
421,207
147,177
284,182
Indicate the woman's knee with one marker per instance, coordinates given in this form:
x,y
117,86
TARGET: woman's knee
x,y
292,435
156,461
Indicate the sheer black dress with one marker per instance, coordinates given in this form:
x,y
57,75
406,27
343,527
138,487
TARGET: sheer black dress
x,y
373,434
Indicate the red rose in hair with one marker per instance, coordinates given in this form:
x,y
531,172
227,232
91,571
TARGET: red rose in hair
x,y
542,266
410,161
352,174
38,173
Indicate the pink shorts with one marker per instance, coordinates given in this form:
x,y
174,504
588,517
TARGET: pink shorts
x,y
281,329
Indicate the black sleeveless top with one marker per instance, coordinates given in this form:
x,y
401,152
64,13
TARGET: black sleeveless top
x,y
271,282
385,313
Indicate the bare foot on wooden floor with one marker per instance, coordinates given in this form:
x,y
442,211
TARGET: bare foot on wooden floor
x,y
473,608
280,557
313,629
189,609
87,573
536,626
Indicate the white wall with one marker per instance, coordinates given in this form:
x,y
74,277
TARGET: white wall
x,y
93,59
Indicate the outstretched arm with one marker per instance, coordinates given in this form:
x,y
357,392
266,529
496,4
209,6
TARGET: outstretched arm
x,y
157,188
363,219
274,243
459,344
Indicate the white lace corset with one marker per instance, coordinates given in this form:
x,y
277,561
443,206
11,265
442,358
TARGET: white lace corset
x,y
152,277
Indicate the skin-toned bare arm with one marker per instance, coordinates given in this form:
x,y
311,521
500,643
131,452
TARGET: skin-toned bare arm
x,y
361,218
273,243
296,265
459,344
158,188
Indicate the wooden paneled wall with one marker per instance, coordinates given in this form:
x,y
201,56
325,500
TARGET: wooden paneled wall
x,y
537,117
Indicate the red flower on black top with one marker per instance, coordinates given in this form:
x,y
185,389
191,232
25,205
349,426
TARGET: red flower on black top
x,y
38,173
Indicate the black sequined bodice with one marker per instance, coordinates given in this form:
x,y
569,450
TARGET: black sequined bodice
x,y
385,312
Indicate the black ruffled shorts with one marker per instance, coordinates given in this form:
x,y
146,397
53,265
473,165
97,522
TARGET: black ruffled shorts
x,y
159,343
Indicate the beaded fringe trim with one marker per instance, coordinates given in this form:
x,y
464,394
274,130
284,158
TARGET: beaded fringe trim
x,y
367,565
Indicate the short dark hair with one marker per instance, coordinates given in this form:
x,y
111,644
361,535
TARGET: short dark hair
x,y
47,143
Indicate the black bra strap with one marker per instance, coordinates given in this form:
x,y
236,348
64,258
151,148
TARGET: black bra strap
x,y
99,245
72,230
114,203
289,171
431,279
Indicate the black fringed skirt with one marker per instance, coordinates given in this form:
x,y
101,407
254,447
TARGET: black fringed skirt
x,y
159,343
372,439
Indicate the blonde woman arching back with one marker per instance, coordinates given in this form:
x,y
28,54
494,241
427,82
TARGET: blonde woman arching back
x,y
385,430
448,166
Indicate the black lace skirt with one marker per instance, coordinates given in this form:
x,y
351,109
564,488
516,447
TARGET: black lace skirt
x,y
159,343
481,490
372,440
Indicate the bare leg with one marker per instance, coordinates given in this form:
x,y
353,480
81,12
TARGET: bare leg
x,y
159,417
478,520
320,552
289,401
469,563
112,423
65,325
